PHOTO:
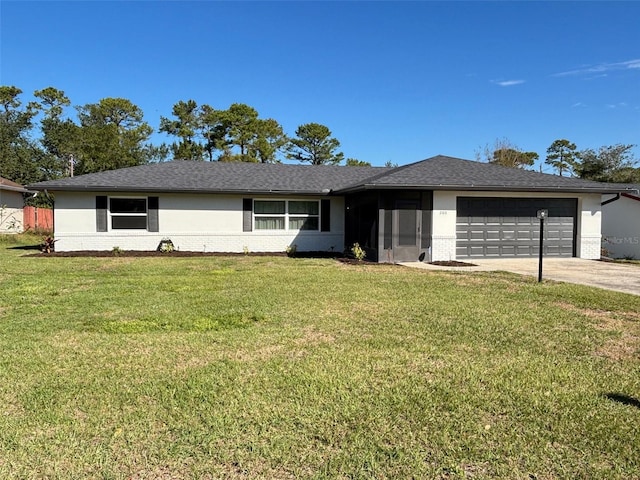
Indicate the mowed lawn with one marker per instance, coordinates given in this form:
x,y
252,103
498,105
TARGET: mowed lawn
x,y
272,367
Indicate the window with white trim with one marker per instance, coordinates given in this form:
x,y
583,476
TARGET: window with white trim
x,y
128,213
286,214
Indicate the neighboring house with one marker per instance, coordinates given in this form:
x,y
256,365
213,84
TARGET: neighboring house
x,y
621,223
11,205
437,209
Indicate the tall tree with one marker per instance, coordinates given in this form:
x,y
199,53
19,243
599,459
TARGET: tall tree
x,y
269,141
19,154
188,127
562,156
213,132
60,137
240,123
314,144
507,154
113,135
614,163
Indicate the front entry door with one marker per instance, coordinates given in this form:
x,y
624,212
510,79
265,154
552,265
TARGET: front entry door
x,y
406,231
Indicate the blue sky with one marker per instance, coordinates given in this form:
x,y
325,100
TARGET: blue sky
x,y
394,81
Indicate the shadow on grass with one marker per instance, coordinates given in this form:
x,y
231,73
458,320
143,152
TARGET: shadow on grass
x,y
623,399
26,247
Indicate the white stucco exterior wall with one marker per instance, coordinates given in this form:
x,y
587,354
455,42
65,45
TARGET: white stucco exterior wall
x,y
444,221
589,238
621,227
11,213
196,222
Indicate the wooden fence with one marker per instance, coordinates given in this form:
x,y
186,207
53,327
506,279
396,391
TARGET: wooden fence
x,y
38,218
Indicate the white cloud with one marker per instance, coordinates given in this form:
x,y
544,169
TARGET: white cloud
x,y
507,83
578,104
601,68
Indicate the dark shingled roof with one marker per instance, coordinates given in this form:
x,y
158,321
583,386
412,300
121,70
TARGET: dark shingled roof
x,y
448,173
437,173
219,177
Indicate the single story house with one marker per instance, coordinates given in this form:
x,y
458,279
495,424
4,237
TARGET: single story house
x,y
621,223
11,206
438,209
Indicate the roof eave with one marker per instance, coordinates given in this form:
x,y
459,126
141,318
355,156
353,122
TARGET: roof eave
x,y
9,188
122,188
481,188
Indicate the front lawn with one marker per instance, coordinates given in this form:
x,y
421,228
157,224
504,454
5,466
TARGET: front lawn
x,y
272,367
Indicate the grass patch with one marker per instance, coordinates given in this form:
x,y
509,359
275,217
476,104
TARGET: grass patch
x,y
276,367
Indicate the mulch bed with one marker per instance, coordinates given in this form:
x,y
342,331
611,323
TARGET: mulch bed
x,y
453,263
340,257
176,253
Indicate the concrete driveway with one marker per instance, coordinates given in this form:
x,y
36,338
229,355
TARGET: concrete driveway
x,y
611,276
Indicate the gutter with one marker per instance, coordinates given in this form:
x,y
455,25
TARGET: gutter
x,y
629,193
132,189
9,188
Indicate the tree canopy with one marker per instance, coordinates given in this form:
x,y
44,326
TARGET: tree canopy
x,y
315,145
505,153
236,134
20,157
50,137
354,162
562,156
614,163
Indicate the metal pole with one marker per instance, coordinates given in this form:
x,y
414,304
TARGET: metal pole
x,y
541,249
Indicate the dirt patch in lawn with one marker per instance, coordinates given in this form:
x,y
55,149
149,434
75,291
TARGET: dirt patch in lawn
x,y
625,342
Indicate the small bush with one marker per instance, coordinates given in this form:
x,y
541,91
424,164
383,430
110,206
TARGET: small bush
x,y
291,250
358,252
116,251
48,244
166,246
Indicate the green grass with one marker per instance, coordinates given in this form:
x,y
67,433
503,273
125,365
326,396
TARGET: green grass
x,y
272,367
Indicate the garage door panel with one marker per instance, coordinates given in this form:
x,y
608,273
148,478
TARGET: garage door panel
x,y
483,233
524,235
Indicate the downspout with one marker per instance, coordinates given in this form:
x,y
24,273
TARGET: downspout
x,y
611,200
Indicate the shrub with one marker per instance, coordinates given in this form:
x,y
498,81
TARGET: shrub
x,y
291,250
358,252
48,244
166,246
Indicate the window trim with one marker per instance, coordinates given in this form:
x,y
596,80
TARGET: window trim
x,y
286,216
